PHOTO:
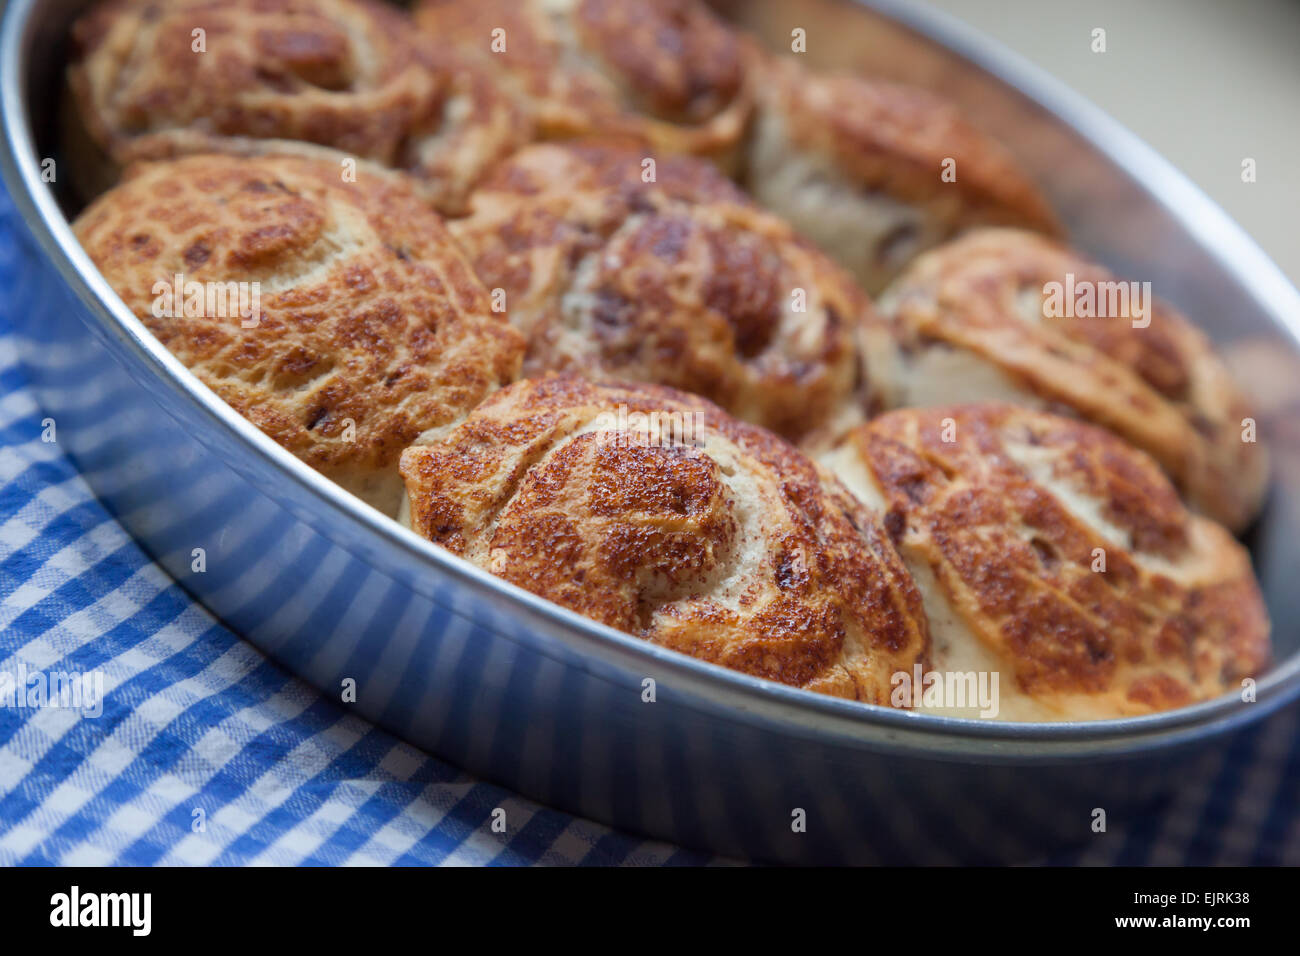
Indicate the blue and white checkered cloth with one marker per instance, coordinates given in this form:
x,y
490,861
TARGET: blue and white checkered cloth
x,y
206,752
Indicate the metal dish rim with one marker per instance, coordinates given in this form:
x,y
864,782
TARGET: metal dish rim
x,y
359,529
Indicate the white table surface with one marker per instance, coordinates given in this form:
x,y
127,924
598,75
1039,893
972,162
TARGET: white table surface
x,y
1205,82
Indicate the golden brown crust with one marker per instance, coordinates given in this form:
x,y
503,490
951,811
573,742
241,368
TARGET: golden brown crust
x,y
665,71
874,152
727,544
1011,510
1159,386
368,312
349,74
680,281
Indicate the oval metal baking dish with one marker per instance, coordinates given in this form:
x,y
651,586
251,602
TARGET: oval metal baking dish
x,y
534,697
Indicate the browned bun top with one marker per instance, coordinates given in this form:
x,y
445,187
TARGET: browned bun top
x,y
1052,550
1151,378
369,327
667,71
336,72
654,512
859,166
154,80
680,281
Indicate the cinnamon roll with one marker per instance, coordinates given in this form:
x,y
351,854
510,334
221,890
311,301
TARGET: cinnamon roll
x,y
654,512
667,72
1009,315
339,318
876,172
1053,554
679,281
153,80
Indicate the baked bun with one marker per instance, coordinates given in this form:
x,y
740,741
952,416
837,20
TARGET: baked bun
x,y
1051,552
348,74
973,321
474,125
665,71
654,512
360,324
857,165
681,282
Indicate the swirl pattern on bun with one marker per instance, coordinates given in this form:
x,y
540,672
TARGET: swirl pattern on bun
x,y
339,318
1049,551
667,72
656,513
875,172
986,317
156,80
681,281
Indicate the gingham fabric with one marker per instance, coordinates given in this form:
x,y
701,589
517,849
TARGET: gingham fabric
x,y
208,753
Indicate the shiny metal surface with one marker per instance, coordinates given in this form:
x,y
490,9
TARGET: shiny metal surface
x,y
540,700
